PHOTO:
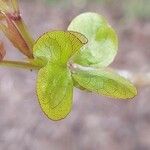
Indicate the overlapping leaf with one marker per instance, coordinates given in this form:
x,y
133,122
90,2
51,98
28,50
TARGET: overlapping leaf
x,y
102,40
55,89
58,46
54,50
54,83
104,82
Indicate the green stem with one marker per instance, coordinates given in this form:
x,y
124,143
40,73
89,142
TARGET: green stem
x,y
18,64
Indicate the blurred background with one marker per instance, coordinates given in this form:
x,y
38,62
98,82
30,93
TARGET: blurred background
x,y
96,122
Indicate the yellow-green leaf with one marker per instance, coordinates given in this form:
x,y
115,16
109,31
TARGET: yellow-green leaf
x,y
58,46
104,82
102,45
54,90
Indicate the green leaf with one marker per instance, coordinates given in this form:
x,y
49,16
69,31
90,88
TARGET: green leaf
x,y
102,40
76,84
58,46
104,82
55,90
55,85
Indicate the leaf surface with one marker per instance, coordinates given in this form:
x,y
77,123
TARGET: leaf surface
x,y
105,82
54,90
58,46
102,43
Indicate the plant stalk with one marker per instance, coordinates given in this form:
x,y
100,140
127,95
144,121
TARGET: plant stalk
x,y
18,64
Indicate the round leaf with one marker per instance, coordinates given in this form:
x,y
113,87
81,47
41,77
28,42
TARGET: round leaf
x,y
102,40
54,90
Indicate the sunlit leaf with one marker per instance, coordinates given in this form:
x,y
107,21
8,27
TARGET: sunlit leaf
x,y
54,85
102,40
58,46
76,84
54,90
104,82
80,37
